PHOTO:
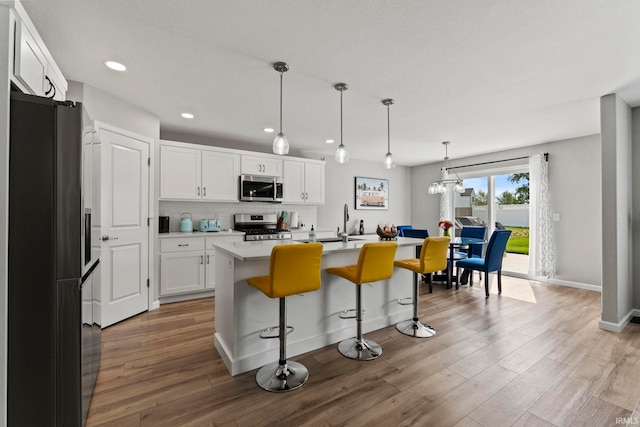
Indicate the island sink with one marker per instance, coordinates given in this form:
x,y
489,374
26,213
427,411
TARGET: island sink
x,y
327,240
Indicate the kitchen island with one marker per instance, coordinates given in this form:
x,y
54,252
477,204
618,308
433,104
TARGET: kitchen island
x,y
242,311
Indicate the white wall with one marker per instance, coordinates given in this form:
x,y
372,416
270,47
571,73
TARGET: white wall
x,y
617,289
635,216
340,189
574,181
114,111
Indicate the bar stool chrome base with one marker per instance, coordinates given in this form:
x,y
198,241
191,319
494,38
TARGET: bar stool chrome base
x,y
359,349
414,328
278,378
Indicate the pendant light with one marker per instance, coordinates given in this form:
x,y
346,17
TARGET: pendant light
x,y
388,159
280,142
342,155
439,187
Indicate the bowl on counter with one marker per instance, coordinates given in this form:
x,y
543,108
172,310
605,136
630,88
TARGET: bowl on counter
x,y
392,235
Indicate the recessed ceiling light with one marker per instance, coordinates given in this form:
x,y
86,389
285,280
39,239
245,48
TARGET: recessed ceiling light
x,y
115,65
187,115
329,141
268,130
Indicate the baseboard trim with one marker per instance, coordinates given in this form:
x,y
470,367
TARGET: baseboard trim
x,y
619,327
578,285
555,281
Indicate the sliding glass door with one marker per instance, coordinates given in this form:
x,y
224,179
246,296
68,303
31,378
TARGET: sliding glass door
x,y
499,198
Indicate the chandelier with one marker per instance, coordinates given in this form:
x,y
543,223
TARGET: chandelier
x,y
439,187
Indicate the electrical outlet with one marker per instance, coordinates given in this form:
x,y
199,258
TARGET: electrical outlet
x,y
556,217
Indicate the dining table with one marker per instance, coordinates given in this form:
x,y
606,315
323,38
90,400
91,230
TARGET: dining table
x,y
459,248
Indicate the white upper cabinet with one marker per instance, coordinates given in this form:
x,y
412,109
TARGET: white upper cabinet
x,y
180,173
263,166
303,182
220,172
194,174
314,183
30,65
34,70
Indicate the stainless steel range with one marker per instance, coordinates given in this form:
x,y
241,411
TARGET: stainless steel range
x,y
260,227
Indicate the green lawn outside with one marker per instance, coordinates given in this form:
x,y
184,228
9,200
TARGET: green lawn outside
x,y
519,241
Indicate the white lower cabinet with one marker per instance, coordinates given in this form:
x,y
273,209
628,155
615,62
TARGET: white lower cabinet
x,y
187,264
182,272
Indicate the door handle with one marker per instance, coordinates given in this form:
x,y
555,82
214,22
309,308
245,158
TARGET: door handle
x,y
207,259
201,259
204,191
198,191
106,237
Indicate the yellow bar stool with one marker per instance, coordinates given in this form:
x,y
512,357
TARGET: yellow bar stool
x,y
433,257
375,262
294,269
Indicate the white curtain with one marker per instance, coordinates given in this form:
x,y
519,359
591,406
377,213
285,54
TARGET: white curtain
x,y
541,249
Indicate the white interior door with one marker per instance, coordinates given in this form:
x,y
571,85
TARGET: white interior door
x,y
124,213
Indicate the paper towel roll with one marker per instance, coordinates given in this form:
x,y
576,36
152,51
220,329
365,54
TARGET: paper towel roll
x,y
293,219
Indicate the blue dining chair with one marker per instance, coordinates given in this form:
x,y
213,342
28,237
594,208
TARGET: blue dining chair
x,y
475,232
415,232
401,229
492,260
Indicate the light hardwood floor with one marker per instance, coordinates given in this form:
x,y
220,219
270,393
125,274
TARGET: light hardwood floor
x,y
533,356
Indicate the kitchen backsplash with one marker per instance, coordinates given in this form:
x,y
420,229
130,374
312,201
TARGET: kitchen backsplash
x,y
225,211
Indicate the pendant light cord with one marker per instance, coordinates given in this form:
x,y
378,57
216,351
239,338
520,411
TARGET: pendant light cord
x,y
388,131
281,101
341,92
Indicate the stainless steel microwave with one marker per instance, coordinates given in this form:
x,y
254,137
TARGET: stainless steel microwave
x,y
261,189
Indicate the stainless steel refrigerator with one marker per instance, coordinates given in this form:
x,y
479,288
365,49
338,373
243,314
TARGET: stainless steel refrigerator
x,y
54,346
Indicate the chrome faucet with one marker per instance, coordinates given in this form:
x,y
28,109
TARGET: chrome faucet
x,y
345,235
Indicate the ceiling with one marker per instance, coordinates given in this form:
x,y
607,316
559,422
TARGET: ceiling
x,y
486,75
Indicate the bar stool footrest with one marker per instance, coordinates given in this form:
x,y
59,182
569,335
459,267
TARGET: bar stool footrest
x,y
345,313
359,349
405,301
267,333
414,328
280,378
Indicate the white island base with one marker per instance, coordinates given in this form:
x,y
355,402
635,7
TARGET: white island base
x,y
241,311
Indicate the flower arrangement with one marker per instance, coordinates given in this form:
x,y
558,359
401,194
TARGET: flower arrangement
x,y
445,224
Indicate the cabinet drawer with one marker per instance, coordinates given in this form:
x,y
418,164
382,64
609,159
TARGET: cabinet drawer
x,y
180,245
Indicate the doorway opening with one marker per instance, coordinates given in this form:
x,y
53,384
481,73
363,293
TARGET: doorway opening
x,y
499,199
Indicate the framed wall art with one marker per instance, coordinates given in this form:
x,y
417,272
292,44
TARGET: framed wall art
x,y
371,193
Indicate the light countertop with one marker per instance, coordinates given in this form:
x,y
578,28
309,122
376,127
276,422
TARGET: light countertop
x,y
178,234
250,251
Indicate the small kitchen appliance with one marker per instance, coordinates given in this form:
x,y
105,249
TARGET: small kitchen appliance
x,y
186,223
209,225
261,189
260,227
163,224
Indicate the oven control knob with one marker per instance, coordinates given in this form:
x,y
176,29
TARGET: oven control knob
x,y
271,236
